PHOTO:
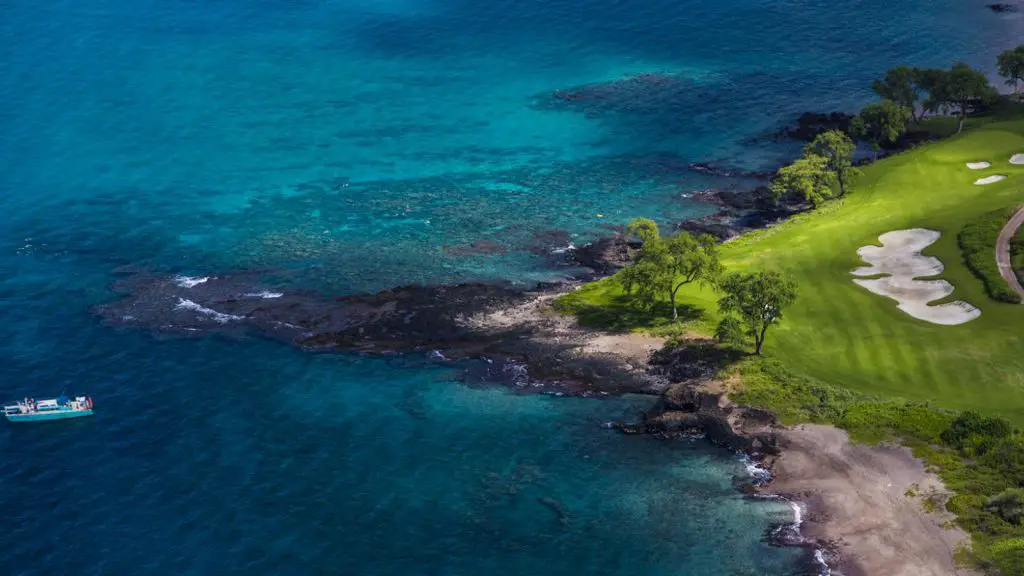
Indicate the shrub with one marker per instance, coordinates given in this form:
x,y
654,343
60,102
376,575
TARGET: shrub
x,y
1008,556
978,244
1007,457
973,434
1009,504
729,331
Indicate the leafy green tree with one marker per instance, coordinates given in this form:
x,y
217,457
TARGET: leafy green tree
x,y
758,300
808,178
957,90
664,265
1011,66
925,81
837,150
881,123
900,86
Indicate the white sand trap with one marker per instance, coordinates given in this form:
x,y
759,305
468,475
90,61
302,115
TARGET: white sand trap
x,y
1017,159
978,165
990,179
900,257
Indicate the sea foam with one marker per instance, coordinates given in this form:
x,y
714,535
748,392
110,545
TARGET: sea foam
x,y
190,281
221,317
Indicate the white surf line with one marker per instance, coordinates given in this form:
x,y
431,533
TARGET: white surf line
x,y
900,259
190,281
217,316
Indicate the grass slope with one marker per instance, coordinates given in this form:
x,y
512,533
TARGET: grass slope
x,y
841,334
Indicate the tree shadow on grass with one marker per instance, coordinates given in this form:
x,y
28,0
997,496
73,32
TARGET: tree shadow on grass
x,y
623,313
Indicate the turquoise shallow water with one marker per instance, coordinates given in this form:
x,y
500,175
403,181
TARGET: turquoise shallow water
x,y
351,142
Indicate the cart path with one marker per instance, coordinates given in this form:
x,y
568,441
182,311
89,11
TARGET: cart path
x,y
1003,252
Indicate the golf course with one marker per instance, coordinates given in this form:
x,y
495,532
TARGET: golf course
x,y
839,333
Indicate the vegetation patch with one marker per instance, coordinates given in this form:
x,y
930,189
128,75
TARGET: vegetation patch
x,y
978,244
1017,253
979,458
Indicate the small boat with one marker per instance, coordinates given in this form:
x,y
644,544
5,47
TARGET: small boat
x,y
29,410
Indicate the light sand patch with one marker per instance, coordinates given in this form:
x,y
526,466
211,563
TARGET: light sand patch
x,y
978,165
1017,159
990,179
857,496
900,258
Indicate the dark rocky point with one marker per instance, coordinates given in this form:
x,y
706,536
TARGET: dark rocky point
x,y
606,255
810,124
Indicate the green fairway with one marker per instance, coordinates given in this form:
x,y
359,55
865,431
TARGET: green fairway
x,y
842,334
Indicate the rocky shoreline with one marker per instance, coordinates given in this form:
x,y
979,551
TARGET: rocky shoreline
x,y
495,336
510,336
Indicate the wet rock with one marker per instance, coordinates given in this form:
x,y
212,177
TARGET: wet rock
x,y
739,428
400,319
727,172
759,198
606,255
713,225
437,324
810,124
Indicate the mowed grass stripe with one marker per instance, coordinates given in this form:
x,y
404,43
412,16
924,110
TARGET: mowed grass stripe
x,y
840,333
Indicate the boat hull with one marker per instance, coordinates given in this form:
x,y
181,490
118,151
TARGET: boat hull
x,y
44,416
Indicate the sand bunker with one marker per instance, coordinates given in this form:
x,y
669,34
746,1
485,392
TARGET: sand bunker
x,y
978,165
1017,159
990,179
900,257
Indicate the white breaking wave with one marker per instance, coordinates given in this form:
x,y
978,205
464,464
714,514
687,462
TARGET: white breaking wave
x,y
819,557
217,316
264,294
564,249
190,281
798,514
759,475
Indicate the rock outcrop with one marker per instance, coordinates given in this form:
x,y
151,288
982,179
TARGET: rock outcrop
x,y
702,407
606,255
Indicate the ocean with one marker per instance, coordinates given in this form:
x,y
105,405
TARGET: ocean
x,y
356,145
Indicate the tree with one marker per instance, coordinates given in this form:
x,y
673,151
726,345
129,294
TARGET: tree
x,y
1011,66
958,90
758,300
837,150
900,86
881,123
665,265
925,81
808,178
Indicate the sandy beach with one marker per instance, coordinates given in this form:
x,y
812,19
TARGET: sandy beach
x,y
858,503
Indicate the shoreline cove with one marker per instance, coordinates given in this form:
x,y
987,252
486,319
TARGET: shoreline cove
x,y
522,344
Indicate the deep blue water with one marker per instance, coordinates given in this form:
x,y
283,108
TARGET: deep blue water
x,y
350,142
